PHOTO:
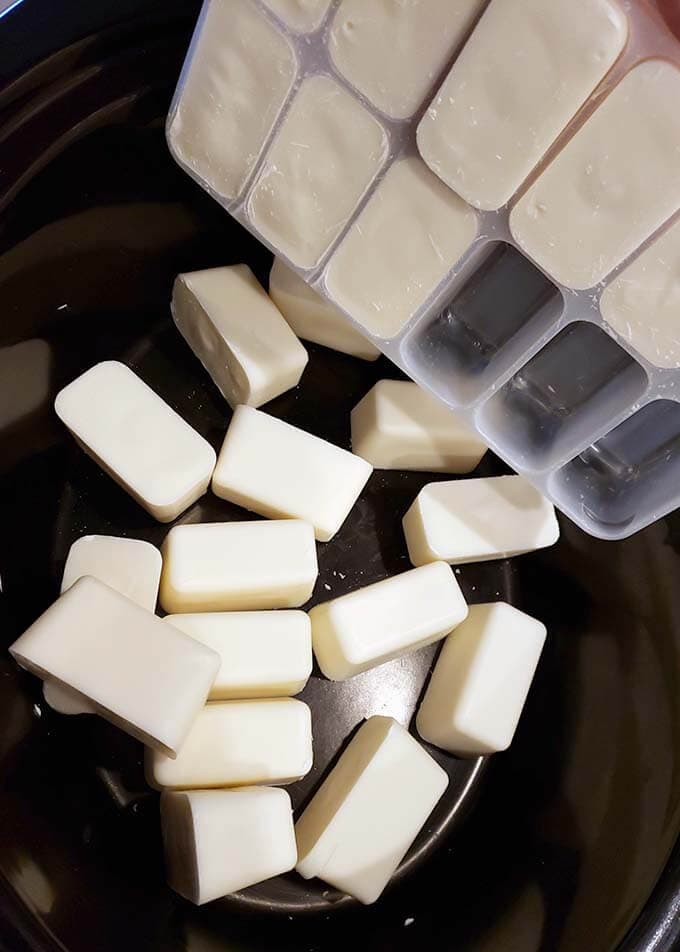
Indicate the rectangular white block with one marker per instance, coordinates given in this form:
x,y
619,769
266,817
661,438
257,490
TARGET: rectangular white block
x,y
231,98
234,743
362,820
314,174
385,620
474,520
402,244
105,647
398,425
263,654
314,318
481,680
238,334
611,186
220,841
131,567
238,566
136,438
393,52
517,83
279,471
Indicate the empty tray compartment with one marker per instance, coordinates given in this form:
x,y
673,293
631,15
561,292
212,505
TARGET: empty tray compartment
x,y
503,305
629,476
576,386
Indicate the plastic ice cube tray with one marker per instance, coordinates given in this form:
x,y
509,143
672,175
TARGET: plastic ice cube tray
x,y
587,409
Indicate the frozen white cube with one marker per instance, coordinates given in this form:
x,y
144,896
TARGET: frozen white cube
x,y
313,317
263,654
385,620
481,680
474,520
137,438
398,425
238,334
229,96
280,471
362,820
100,644
220,841
237,743
238,566
131,567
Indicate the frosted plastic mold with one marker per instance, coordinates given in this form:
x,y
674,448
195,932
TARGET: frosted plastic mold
x,y
587,409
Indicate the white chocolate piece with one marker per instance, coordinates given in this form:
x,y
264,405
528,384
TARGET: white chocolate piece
x,y
398,425
237,743
475,520
263,654
303,16
100,644
231,96
238,334
393,52
238,566
314,318
137,439
220,841
129,566
642,304
411,232
385,620
611,186
517,83
481,680
277,470
364,817
326,153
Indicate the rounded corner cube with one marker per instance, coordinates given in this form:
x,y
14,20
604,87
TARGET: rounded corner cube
x,y
140,441
480,682
238,566
218,842
228,100
476,520
400,247
384,782
385,620
280,471
250,361
117,669
238,743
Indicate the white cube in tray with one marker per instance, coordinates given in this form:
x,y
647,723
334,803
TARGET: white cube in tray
x,y
263,654
360,823
235,566
137,438
474,520
280,471
220,841
238,334
398,425
314,318
481,680
235,743
103,646
131,567
384,620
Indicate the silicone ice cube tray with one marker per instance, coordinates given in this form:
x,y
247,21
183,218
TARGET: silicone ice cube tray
x,y
554,331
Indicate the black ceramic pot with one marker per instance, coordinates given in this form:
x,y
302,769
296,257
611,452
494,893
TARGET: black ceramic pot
x,y
565,843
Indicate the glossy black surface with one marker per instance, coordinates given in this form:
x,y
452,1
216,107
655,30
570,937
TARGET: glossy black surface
x,y
556,845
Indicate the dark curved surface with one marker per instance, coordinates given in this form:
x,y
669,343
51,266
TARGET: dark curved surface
x,y
557,845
